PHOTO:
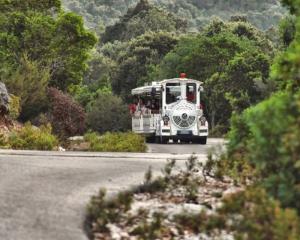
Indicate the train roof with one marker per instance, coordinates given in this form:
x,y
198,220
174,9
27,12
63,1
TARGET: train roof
x,y
157,85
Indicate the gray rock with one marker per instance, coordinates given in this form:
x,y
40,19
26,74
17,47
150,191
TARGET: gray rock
x,y
4,99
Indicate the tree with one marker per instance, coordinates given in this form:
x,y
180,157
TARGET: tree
x,y
46,6
60,42
142,52
293,5
141,19
267,135
52,41
108,113
71,44
197,13
241,27
244,82
287,30
29,82
232,59
100,71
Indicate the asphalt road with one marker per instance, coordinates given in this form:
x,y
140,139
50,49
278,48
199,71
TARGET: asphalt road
x,y
185,148
43,194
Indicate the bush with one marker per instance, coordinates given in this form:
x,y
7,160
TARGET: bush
x,y
116,142
267,137
104,212
14,107
66,116
3,141
235,162
251,214
274,145
108,113
28,82
33,138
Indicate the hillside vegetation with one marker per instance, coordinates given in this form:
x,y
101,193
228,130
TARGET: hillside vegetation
x,y
231,57
49,57
263,14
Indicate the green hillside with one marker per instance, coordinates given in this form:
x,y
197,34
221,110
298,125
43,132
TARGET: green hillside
x,y
263,14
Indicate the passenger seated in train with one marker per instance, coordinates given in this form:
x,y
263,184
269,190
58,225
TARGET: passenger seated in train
x,y
138,107
191,94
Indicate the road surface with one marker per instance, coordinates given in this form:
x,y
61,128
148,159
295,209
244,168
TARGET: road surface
x,y
43,194
185,148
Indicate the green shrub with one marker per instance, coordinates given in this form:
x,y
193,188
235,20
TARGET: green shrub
x,y
235,162
218,131
33,138
14,106
3,141
199,222
28,82
116,142
247,215
260,217
153,229
267,137
103,212
108,113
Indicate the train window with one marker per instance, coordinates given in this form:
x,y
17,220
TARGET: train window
x,y
173,92
191,92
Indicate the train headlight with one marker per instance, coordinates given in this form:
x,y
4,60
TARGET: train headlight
x,y
166,120
203,121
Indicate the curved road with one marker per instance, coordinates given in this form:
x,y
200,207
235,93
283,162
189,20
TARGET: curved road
x,y
43,194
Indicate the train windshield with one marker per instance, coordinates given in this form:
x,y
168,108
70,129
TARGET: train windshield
x,y
173,92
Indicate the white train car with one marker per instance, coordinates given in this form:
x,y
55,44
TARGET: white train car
x,y
170,109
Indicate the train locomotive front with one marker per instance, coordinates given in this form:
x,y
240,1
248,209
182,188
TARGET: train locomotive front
x,y
170,110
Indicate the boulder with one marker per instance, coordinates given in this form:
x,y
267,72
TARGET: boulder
x,y
4,100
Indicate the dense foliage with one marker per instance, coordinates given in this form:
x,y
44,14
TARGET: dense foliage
x,y
232,58
135,62
38,5
41,46
263,14
263,220
287,30
116,142
233,61
144,17
66,116
108,113
271,146
266,137
32,138
29,82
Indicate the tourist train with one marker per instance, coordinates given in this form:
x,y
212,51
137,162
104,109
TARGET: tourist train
x,y
170,110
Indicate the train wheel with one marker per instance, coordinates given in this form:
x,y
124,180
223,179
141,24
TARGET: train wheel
x,y
157,140
203,140
161,140
150,139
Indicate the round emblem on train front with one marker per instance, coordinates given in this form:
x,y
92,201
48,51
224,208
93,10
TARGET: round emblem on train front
x,y
184,116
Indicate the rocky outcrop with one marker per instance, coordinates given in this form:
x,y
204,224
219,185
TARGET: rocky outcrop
x,y
6,123
4,100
